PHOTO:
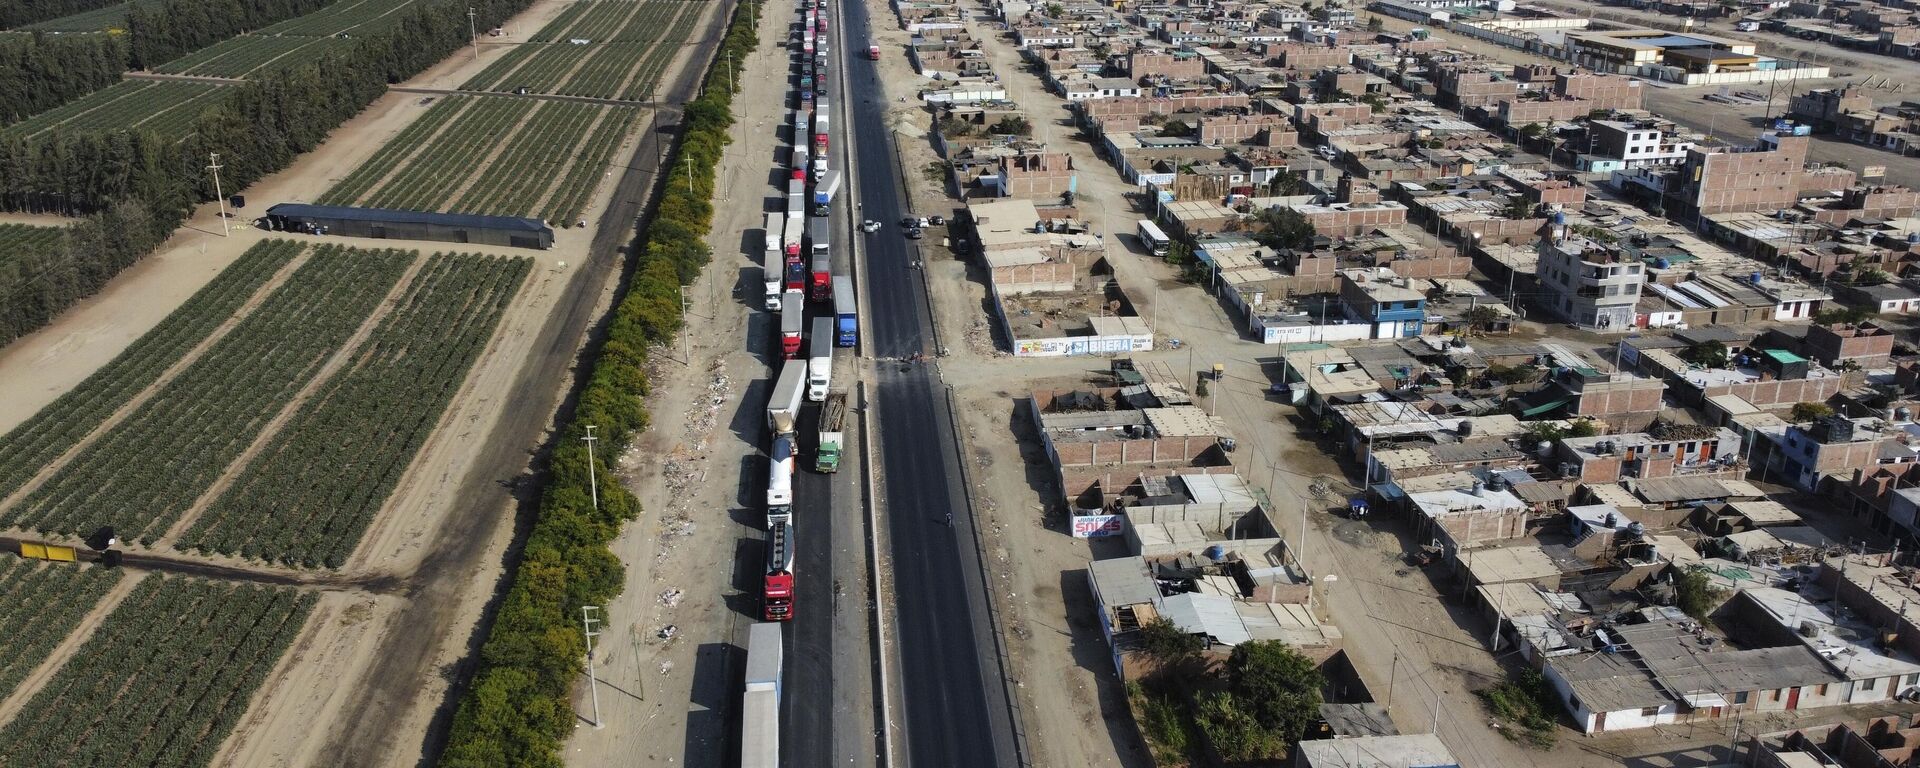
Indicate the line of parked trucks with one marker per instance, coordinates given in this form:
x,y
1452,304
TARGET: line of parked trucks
x,y
797,270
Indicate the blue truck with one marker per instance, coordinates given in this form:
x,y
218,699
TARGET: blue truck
x,y
846,326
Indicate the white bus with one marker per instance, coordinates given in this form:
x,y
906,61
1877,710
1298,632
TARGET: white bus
x,y
1151,236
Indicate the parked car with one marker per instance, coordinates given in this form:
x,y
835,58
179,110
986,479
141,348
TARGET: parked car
x,y
913,234
938,221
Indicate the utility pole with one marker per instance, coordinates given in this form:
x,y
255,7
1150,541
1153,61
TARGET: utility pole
x,y
593,480
587,620
213,164
686,349
473,33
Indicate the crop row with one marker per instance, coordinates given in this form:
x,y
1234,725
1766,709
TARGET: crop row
x,y
163,680
163,107
336,18
394,152
653,32
59,426
570,198
603,22
242,55
309,496
40,604
518,179
439,170
654,67
146,471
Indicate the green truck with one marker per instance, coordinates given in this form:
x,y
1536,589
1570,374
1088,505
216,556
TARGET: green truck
x,y
833,415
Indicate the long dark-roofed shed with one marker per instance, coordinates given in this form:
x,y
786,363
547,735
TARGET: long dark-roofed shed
x,y
511,231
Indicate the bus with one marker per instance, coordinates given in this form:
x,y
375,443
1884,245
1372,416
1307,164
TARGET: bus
x,y
1154,239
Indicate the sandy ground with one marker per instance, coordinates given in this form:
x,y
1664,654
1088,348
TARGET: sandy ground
x,y
666,701
293,717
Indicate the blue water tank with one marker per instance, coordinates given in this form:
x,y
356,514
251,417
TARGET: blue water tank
x,y
1913,237
1559,218
1755,278
1216,553
1662,263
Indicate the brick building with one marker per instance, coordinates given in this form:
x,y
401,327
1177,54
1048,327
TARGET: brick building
x,y
1687,450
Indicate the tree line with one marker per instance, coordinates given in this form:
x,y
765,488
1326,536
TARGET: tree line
x,y
19,13
517,708
39,71
133,188
37,284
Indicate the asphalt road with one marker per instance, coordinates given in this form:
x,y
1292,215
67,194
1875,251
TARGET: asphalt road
x,y
953,708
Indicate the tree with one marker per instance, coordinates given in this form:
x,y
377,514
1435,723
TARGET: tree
x,y
1695,593
1286,183
954,127
1532,130
1582,428
1283,227
1166,642
1276,685
1178,252
1234,732
1012,125
1544,432
1809,411
1053,10
1482,316
1519,207
1842,315
1176,128
1708,354
1374,24
1375,102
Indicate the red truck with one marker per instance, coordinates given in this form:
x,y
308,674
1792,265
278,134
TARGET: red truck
x,y
873,53
792,320
777,591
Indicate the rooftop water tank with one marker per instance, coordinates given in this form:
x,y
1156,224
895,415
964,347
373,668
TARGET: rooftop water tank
x,y
1559,219
1755,278
1216,553
1662,263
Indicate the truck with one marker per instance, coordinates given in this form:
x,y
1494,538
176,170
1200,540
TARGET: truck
x,y
819,166
820,125
820,362
783,408
819,242
790,239
873,53
760,705
833,414
780,480
772,267
795,274
806,82
792,322
775,227
846,322
796,199
823,193
777,590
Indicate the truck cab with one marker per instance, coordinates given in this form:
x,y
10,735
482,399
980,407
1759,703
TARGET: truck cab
x,y
777,588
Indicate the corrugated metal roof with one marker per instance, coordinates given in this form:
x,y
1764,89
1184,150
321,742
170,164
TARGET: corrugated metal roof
x,y
392,216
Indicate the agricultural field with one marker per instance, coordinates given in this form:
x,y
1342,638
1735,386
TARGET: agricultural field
x,y
61,425
287,43
308,497
606,49
546,159
40,604
166,108
111,17
146,471
162,680
247,54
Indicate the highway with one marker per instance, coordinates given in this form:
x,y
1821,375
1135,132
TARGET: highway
x,y
952,709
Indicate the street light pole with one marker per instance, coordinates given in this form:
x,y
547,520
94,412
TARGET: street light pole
x,y
587,620
213,164
593,479
473,33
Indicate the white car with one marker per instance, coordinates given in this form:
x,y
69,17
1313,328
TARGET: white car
x,y
869,226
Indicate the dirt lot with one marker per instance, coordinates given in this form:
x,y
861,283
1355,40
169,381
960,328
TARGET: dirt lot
x,y
365,680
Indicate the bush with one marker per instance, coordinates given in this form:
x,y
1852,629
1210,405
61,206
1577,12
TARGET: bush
x,y
1235,733
1695,593
1809,411
1526,701
1277,685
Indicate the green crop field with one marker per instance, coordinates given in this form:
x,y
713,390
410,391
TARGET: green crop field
x,y
543,158
334,19
605,49
246,54
166,108
61,425
162,680
310,495
147,470
40,604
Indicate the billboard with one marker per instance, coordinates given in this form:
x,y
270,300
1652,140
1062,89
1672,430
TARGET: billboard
x,y
1096,526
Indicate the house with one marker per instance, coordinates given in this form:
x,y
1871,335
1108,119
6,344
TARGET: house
x,y
1593,286
1384,300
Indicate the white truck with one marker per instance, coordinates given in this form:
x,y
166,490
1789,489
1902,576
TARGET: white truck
x,y
772,231
790,237
820,360
783,410
796,199
772,268
760,705
780,480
